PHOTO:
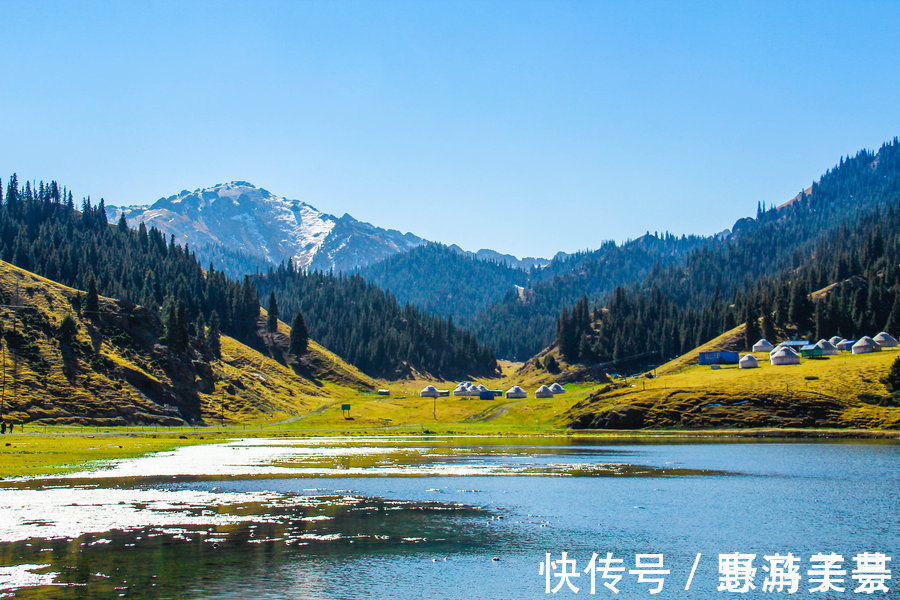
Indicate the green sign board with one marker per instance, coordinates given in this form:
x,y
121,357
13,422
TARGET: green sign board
x,y
345,407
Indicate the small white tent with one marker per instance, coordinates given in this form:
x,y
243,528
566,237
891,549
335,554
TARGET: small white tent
x,y
785,356
429,391
460,390
763,345
827,347
836,340
482,388
748,362
516,392
557,389
543,392
885,340
865,345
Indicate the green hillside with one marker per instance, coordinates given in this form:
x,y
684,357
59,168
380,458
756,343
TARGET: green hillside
x,y
113,370
843,391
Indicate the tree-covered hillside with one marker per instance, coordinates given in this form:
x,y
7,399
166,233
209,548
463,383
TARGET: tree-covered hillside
x,y
444,281
514,311
525,321
842,231
370,329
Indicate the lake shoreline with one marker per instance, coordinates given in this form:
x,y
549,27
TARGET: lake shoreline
x,y
37,453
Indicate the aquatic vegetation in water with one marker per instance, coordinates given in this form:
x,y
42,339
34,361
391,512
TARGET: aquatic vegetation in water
x,y
393,457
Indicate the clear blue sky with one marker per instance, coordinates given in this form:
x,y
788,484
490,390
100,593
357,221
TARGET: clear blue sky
x,y
527,127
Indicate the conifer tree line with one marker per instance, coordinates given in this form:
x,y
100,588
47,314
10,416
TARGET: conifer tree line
x,y
512,310
443,281
368,327
522,324
841,235
41,231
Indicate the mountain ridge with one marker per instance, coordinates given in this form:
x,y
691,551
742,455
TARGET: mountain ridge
x,y
245,227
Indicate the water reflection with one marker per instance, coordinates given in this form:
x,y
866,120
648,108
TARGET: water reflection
x,y
173,560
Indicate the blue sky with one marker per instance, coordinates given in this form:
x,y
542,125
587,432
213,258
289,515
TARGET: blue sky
x,y
527,127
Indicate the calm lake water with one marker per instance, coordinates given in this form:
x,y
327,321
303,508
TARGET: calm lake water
x,y
425,518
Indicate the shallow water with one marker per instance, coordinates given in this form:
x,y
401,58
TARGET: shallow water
x,y
413,518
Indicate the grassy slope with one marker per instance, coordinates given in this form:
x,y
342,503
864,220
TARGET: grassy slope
x,y
404,408
816,393
115,373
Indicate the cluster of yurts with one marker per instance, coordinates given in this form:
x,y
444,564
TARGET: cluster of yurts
x,y
786,355
469,389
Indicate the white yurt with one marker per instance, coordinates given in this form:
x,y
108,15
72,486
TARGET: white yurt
x,y
481,388
748,362
836,340
774,350
516,392
460,390
865,345
885,340
845,345
827,347
429,391
543,392
557,389
785,356
763,345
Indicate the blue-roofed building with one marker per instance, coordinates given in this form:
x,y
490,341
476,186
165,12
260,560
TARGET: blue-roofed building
x,y
719,357
795,344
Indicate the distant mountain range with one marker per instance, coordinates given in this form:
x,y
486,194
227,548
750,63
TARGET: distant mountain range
x,y
513,305
243,228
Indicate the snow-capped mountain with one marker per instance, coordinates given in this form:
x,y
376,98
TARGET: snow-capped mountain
x,y
243,220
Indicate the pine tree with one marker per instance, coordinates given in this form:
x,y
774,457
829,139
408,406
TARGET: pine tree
x,y
213,336
272,319
67,329
299,335
893,321
892,379
176,327
821,321
751,326
768,327
92,302
171,327
201,336
782,306
550,364
567,336
801,307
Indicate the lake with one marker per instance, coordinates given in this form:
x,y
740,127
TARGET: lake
x,y
448,517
